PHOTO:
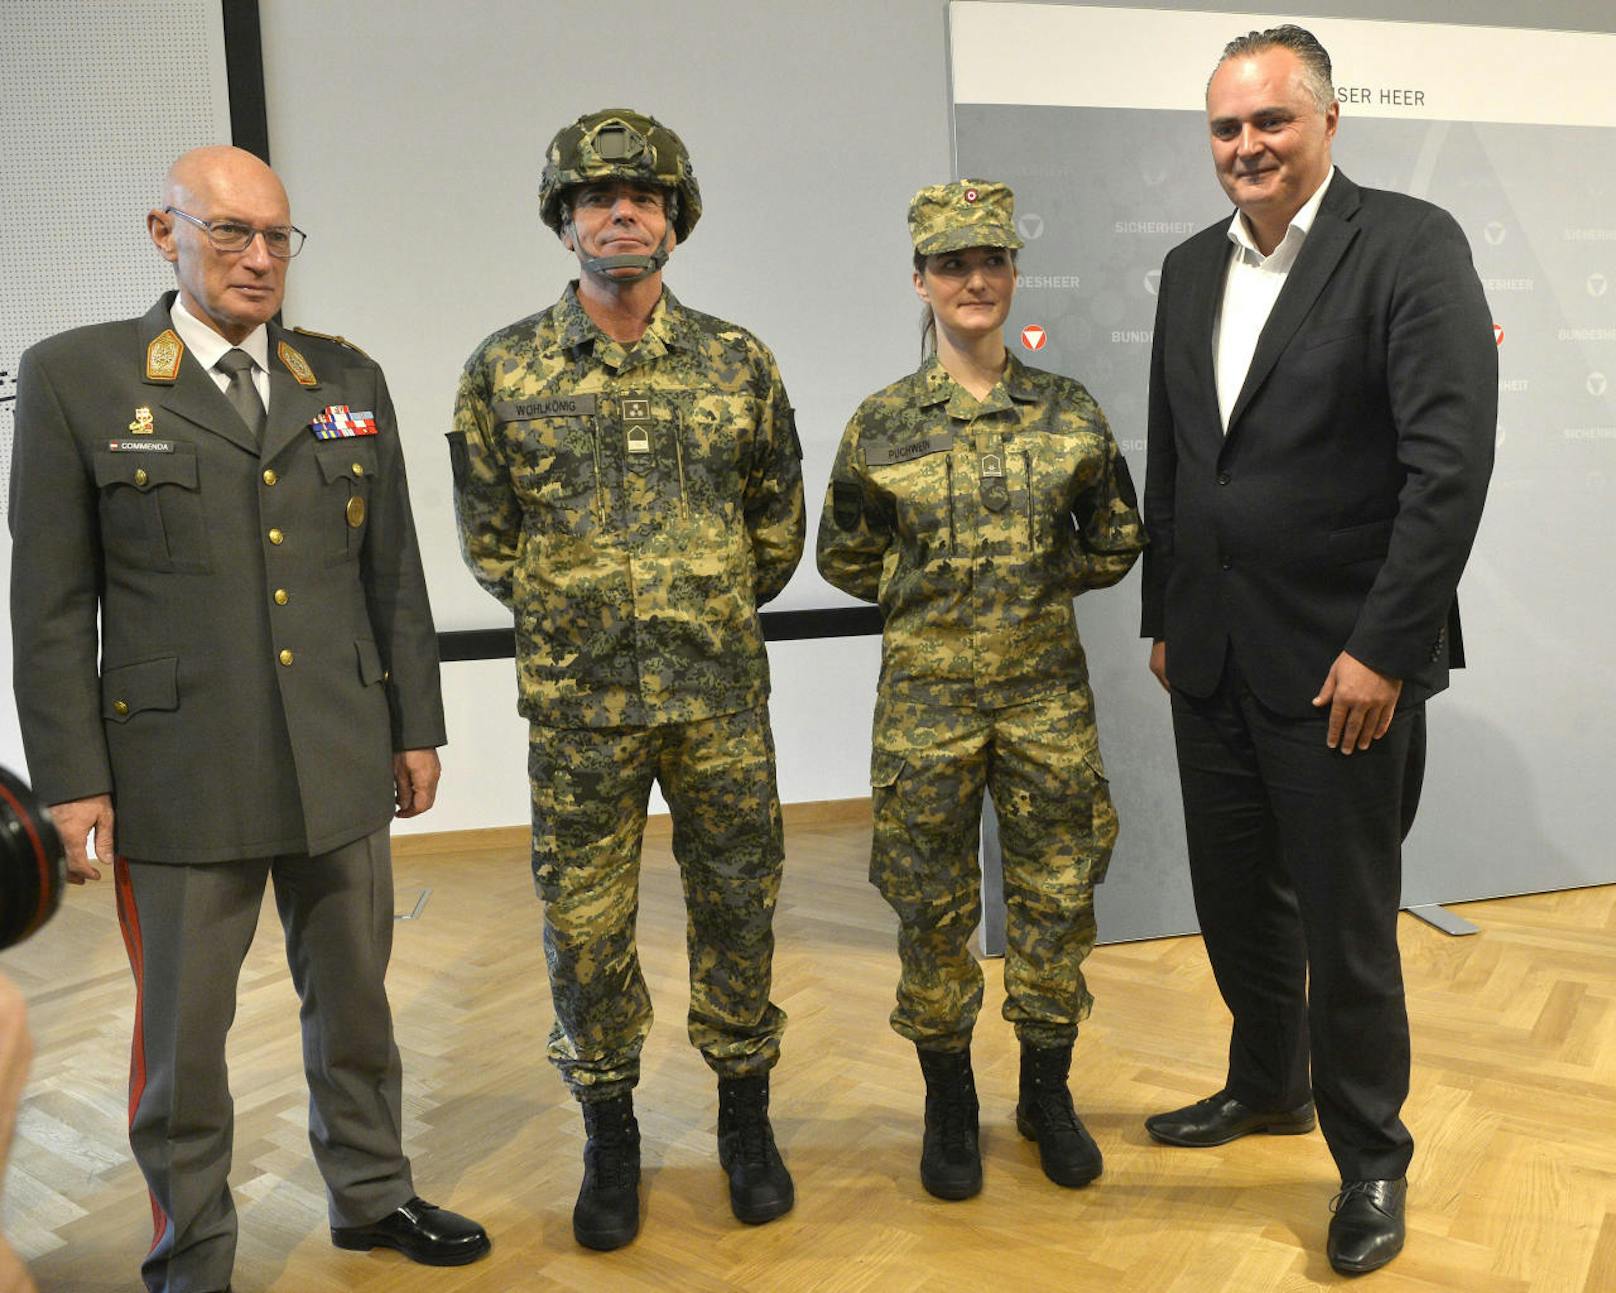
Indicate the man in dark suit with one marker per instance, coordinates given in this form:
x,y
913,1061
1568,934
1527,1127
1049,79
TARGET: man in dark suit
x,y
1322,413
230,497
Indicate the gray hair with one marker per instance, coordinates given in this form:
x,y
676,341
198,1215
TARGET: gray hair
x,y
1301,42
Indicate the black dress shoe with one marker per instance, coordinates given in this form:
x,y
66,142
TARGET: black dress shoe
x,y
430,1235
1367,1229
1221,1118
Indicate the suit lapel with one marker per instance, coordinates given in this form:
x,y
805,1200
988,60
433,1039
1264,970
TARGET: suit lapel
x,y
191,393
292,405
1205,295
1332,233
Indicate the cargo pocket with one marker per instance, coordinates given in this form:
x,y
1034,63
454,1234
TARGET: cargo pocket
x,y
885,770
136,688
1102,816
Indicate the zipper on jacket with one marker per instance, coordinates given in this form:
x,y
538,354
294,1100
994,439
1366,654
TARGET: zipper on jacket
x,y
1026,484
679,459
600,492
948,477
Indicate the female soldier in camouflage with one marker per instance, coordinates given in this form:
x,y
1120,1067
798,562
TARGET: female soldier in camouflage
x,y
973,499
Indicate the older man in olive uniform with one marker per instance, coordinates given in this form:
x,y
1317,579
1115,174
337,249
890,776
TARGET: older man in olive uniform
x,y
628,482
230,498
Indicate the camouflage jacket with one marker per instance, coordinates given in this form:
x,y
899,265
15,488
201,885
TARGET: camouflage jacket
x,y
633,506
973,525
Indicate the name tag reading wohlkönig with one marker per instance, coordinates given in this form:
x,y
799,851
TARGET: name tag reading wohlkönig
x,y
551,406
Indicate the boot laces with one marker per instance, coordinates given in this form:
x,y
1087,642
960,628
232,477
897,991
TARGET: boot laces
x,y
1351,1190
747,1128
1053,1101
610,1152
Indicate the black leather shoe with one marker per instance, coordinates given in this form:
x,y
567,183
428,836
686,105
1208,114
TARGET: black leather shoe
x,y
1367,1229
424,1233
760,1188
1221,1118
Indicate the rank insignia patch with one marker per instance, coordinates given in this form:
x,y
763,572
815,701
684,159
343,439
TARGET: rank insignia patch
x,y
338,422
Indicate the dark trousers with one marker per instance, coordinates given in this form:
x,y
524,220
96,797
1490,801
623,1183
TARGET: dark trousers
x,y
1296,859
187,929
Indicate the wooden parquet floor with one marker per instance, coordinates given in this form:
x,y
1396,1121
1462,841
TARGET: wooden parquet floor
x,y
1513,1107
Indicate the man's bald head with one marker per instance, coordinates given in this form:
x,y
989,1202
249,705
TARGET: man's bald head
x,y
219,171
233,291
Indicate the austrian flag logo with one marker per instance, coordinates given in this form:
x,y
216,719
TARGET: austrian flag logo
x,y
1498,334
1033,337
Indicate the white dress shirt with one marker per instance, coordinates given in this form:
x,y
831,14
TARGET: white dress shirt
x,y
1252,286
208,347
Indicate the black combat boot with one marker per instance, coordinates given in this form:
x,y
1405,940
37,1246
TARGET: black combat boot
x,y
759,1185
607,1214
1045,1114
950,1158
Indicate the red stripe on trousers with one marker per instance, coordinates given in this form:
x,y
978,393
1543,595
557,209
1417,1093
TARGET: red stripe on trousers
x,y
129,923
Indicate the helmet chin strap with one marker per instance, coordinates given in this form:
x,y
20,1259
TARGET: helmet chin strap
x,y
645,265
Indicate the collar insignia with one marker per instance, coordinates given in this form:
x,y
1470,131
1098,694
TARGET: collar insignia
x,y
296,365
163,356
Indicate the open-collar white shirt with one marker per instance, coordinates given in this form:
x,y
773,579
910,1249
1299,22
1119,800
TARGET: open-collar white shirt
x,y
208,347
1253,284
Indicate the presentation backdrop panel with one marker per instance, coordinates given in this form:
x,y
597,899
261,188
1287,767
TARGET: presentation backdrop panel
x,y
95,101
1511,131
810,125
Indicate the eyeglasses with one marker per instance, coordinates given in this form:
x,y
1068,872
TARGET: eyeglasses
x,y
282,241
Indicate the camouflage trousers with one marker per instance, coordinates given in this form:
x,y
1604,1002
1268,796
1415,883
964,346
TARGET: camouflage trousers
x,y
590,791
1041,760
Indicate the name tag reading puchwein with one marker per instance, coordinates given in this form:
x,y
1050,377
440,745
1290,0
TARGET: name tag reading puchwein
x,y
885,454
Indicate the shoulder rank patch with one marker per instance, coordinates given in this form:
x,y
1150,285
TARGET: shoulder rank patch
x,y
163,356
296,365
847,503
331,336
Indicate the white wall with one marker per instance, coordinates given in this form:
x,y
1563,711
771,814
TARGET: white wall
x,y
824,692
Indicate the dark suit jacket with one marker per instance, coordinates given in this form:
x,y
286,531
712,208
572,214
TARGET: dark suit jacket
x,y
211,746
1339,510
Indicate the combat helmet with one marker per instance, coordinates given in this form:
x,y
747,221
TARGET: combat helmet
x,y
621,144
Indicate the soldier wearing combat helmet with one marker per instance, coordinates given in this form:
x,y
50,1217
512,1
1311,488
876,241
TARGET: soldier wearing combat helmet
x,y
628,482
974,499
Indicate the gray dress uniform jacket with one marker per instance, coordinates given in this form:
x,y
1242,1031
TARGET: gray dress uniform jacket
x,y
266,641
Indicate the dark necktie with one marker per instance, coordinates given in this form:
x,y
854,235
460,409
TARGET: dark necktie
x,y
243,395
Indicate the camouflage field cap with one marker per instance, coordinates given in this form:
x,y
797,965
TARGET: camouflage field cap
x,y
966,213
620,144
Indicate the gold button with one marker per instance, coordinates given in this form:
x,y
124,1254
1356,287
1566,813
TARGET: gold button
x,y
269,476
281,597
358,469
356,512
286,657
387,675
276,537
120,707
140,476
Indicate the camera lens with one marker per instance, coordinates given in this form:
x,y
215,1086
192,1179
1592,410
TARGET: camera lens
x,y
33,867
